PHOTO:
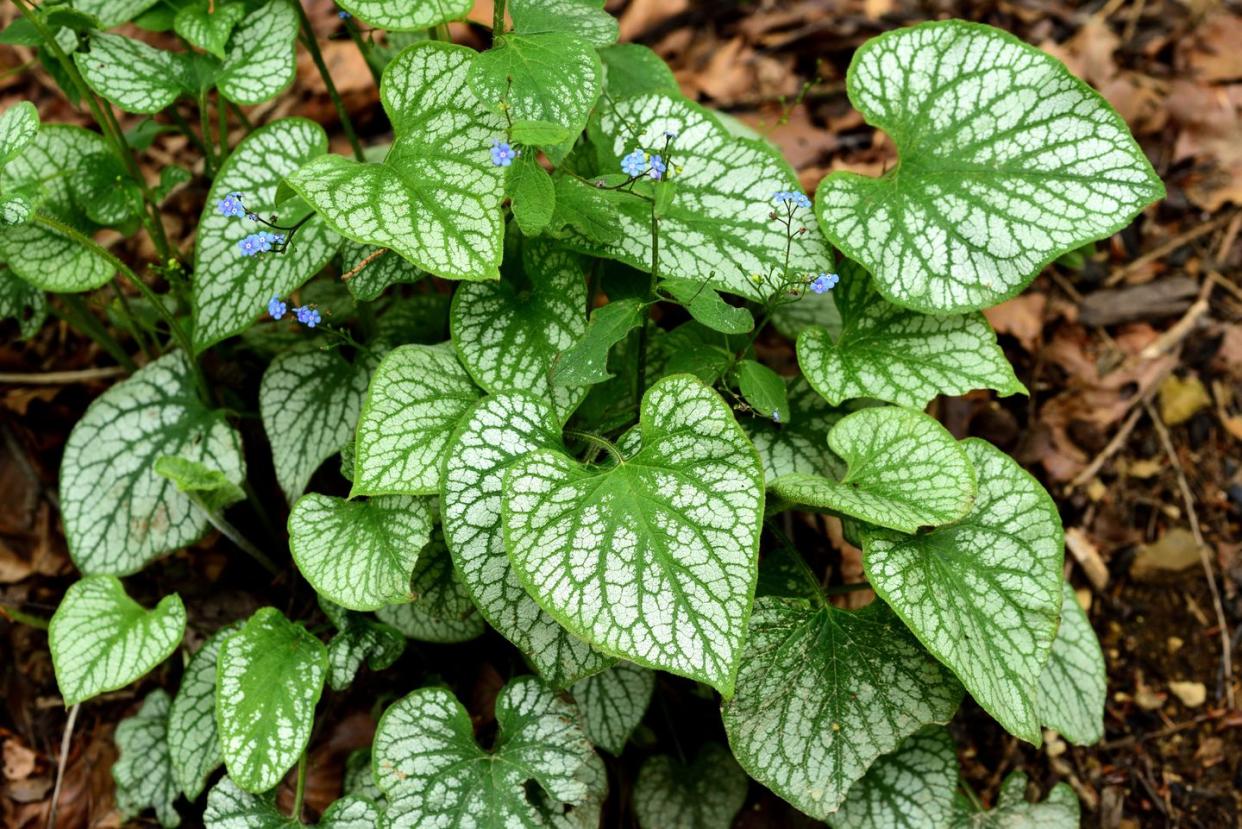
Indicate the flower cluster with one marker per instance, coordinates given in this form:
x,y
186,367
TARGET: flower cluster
x,y
305,314
276,308
503,154
231,205
639,162
824,282
796,199
260,242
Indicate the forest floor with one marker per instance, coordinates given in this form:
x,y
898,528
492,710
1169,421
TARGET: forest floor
x,y
1134,423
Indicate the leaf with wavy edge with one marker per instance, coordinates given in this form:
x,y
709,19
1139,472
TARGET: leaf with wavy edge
x,y
1007,162
1071,691
134,76
113,12
358,639
262,56
585,18
193,742
797,447
208,25
905,471
231,807
406,15
983,594
1059,810
704,794
911,788
613,703
102,640
143,771
441,610
554,77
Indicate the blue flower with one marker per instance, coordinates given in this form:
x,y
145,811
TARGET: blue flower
x,y
824,282
307,316
671,135
785,196
344,15
231,205
250,245
658,168
634,164
503,154
275,308
776,417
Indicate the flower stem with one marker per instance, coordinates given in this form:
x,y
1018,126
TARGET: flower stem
x,y
312,46
233,534
365,48
134,326
80,317
641,380
23,618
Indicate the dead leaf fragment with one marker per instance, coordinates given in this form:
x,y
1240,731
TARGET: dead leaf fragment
x,y
1191,694
19,761
1180,400
1175,552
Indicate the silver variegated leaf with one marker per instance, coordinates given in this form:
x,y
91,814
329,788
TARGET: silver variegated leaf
x,y
492,438
652,559
613,703
441,610
1071,691
18,126
912,788
143,770
982,594
381,272
705,794
113,12
1007,162
102,640
406,15
905,471
208,25
134,76
119,513
193,742
231,807
23,302
798,447
358,639
262,56
1059,811
585,18
554,78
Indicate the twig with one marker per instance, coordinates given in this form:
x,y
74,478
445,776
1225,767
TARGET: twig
x,y
1160,251
1179,330
22,617
57,378
1087,556
356,269
65,742
1226,656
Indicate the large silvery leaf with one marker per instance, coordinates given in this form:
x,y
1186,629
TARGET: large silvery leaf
x,y
382,270
705,794
18,126
718,227
553,78
113,12
119,514
983,594
1070,694
435,199
101,639
310,402
415,400
613,702
912,788
134,76
268,679
23,302
231,290
143,771
39,255
1059,811
889,353
509,333
441,610
905,471
192,738
231,807
406,15
208,24
585,18
823,692
427,762
491,439
358,639
359,554
798,447
262,57
1007,162
652,559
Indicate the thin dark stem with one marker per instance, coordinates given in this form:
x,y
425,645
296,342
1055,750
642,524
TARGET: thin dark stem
x,y
241,117
312,46
233,534
364,48
80,317
204,124
643,332
222,123
23,618
130,318
183,126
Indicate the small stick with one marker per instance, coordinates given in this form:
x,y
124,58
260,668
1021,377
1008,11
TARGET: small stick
x,y
56,378
356,269
1179,330
1160,251
65,742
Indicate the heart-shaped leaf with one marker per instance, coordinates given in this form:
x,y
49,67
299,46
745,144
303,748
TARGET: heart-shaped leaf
x,y
585,18
230,807
585,362
718,228
436,198
1007,162
230,289
705,794
268,679
491,438
143,770
208,25
406,15
18,126
358,639
262,56
889,353
612,704
553,77
823,692
797,447
633,69
134,76
434,773
509,333
1070,694
983,594
193,741
416,398
912,788
21,301
309,401
101,639
441,610
1059,811
905,471
137,515
359,554
652,559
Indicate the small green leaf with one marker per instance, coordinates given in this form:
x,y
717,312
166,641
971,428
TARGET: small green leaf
x,y
510,333
268,680
436,198
1007,162
612,704
586,361
1072,687
434,773
310,402
823,692
653,559
441,610
406,15
705,794
208,25
262,56
192,738
1059,811
137,515
538,134
21,301
585,18
792,318
888,353
553,77
143,771
113,12
102,640
796,446
706,306
359,639
475,463
416,397
200,481
584,208
912,788
18,126
633,69
379,274
359,554
105,192
134,76
983,594
905,471
230,807
532,193
764,390
230,289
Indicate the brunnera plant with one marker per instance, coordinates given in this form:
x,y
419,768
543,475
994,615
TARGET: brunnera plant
x,y
582,449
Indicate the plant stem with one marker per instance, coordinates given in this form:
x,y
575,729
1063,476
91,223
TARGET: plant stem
x,y
300,791
233,534
204,125
183,126
23,618
597,442
641,380
498,19
222,122
364,48
66,740
80,317
241,117
130,318
312,46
